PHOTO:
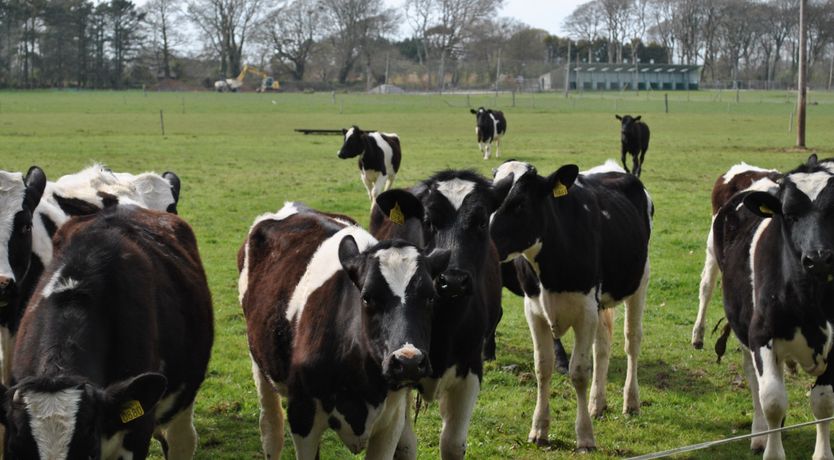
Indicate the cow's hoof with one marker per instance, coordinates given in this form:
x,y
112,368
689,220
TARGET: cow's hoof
x,y
757,450
538,438
698,344
631,411
597,410
585,449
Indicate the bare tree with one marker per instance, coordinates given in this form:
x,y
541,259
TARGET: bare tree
x,y
226,25
164,19
291,32
616,16
664,13
585,23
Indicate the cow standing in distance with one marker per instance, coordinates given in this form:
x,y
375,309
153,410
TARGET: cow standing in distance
x,y
740,177
115,343
490,126
379,158
586,238
634,139
340,325
30,243
450,211
776,253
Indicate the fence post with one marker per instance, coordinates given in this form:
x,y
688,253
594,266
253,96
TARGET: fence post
x,y
333,97
738,91
513,98
467,101
666,101
161,122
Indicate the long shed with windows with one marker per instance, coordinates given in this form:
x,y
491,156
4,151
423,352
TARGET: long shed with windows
x,y
590,77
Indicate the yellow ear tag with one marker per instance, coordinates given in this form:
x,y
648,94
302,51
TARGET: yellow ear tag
x,y
131,411
765,210
396,215
560,190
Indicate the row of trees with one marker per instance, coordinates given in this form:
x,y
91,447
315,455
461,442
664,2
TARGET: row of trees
x,y
115,43
732,39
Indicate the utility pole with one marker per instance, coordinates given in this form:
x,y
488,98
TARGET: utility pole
x,y
801,100
567,72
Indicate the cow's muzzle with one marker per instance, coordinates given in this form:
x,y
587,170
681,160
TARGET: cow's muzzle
x,y
454,283
7,289
406,366
819,262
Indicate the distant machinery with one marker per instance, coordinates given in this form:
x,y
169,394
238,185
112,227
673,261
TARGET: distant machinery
x,y
268,83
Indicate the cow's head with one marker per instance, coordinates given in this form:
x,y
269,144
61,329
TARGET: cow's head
x,y
453,209
627,123
354,145
19,196
803,207
397,295
517,225
481,115
69,418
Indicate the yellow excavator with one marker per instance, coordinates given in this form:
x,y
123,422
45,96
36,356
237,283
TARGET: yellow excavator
x,y
233,84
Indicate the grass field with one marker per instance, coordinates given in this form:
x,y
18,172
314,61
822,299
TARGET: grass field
x,y
237,156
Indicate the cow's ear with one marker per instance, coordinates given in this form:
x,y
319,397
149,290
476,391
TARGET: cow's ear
x,y
763,204
349,258
812,160
559,182
500,190
132,398
344,131
637,118
400,205
472,111
438,260
35,185
618,117
174,180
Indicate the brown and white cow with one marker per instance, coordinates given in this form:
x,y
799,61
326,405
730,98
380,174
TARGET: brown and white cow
x,y
82,193
340,325
115,342
740,177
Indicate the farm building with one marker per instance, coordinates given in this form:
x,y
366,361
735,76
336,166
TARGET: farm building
x,y
624,77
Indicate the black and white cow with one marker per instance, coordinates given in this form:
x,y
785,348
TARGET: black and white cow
x,y
451,211
82,193
634,139
340,325
586,238
738,178
776,252
379,158
115,342
490,126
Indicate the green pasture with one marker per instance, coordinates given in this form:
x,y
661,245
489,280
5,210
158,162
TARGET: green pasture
x,y
238,157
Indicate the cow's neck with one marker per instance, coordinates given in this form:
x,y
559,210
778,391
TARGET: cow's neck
x,y
565,251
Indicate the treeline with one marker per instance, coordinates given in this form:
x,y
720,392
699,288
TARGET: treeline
x,y
341,43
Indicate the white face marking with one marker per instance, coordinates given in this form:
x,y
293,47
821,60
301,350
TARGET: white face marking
x,y
407,351
323,265
743,168
52,420
516,168
753,244
763,185
456,190
810,184
12,194
398,266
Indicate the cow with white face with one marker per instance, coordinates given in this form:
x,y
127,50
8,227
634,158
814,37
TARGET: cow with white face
x,y
776,252
586,239
490,126
340,325
379,158
19,196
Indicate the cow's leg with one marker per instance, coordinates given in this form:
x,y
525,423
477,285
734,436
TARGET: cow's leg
x,y
562,360
271,415
180,436
602,356
623,158
383,442
369,185
407,445
709,275
456,406
307,446
773,398
642,161
633,331
585,329
757,444
822,405
497,146
543,359
486,149
7,344
635,166
380,185
389,181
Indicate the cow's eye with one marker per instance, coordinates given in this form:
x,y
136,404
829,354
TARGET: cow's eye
x,y
367,301
791,218
26,228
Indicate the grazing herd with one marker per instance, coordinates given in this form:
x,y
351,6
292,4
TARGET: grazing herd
x,y
107,325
